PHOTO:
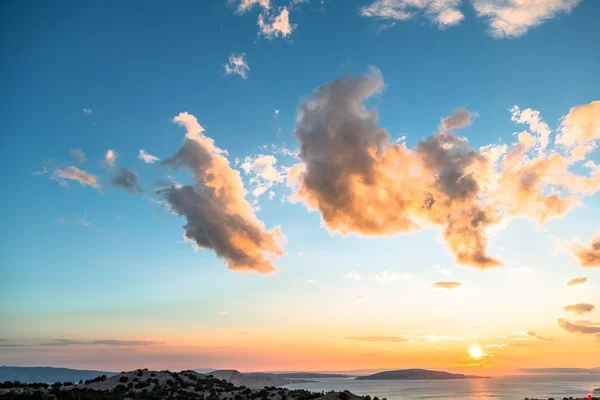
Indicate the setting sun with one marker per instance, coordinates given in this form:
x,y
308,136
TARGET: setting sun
x,y
475,351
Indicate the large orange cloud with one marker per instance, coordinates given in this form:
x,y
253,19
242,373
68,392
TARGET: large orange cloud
x,y
218,216
362,182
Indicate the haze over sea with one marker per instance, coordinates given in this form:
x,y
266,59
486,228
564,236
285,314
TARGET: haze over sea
x,y
502,388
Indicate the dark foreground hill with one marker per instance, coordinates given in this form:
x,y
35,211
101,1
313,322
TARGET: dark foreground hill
x,y
406,374
48,374
155,385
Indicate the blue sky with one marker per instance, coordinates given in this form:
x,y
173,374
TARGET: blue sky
x,y
80,262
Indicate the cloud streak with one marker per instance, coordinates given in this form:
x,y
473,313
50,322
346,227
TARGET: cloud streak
x,y
580,308
237,65
588,256
577,281
577,328
218,216
73,173
443,13
147,157
446,285
379,339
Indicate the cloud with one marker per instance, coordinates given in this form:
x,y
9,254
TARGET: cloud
x,y
275,26
74,173
538,335
246,5
446,285
127,179
78,155
110,158
43,171
353,276
496,346
147,157
577,281
264,173
86,110
237,66
444,13
276,112
386,276
588,256
513,18
580,130
441,270
109,342
382,339
580,308
587,322
74,342
218,216
362,182
576,328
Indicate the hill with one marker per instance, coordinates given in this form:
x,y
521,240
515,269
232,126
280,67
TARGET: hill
x,y
254,379
405,374
48,374
157,385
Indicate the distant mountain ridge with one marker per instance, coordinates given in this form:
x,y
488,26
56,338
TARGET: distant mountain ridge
x,y
48,374
254,379
561,370
407,374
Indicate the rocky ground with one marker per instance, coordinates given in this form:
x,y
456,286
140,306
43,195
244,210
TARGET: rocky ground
x,y
155,385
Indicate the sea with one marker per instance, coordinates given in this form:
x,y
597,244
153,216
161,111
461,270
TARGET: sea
x,y
501,388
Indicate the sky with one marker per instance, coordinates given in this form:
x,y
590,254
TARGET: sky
x,y
278,185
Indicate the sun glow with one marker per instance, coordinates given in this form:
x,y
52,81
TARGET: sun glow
x,y
475,351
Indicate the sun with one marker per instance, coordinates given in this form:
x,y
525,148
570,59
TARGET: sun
x,y
475,351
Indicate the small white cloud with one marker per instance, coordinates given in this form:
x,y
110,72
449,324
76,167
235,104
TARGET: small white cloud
x,y
271,195
278,26
353,276
245,5
110,158
514,18
86,110
386,276
237,66
264,173
147,157
441,270
276,112
444,13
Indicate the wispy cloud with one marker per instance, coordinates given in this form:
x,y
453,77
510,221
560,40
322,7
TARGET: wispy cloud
x,y
237,65
580,308
577,328
514,18
441,270
78,342
382,339
443,13
78,155
73,173
275,26
86,110
246,5
386,276
147,157
447,285
43,171
353,276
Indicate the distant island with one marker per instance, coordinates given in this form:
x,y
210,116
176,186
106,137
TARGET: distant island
x,y
407,374
48,374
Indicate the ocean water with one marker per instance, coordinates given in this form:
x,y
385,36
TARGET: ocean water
x,y
504,388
